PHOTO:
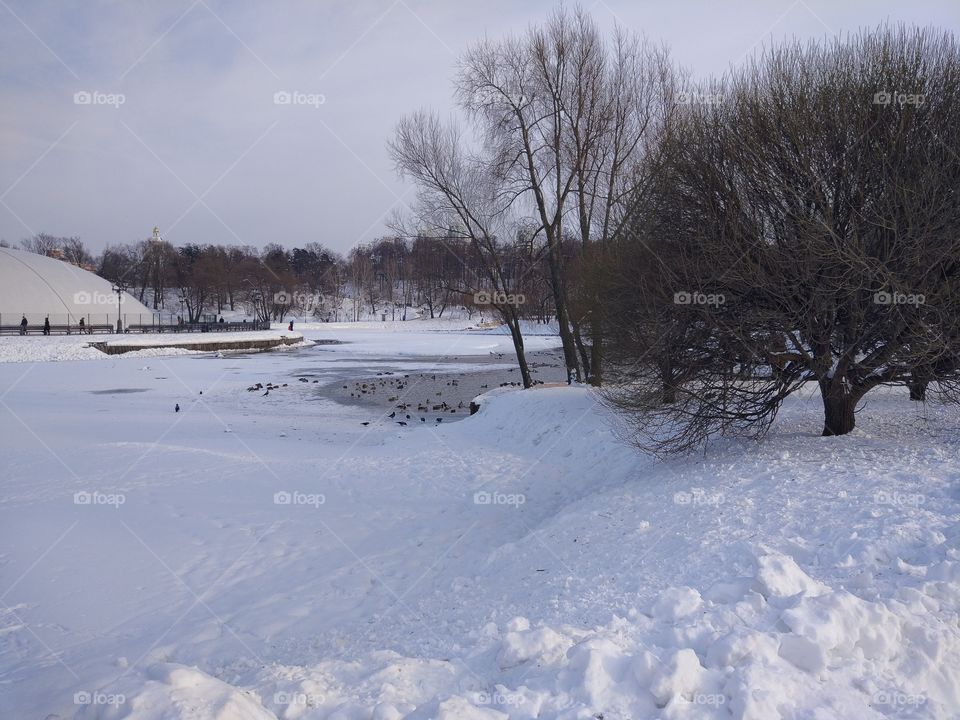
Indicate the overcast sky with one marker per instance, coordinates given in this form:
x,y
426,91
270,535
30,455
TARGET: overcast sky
x,y
199,146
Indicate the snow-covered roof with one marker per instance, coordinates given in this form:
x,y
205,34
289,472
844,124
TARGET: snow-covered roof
x,y
37,286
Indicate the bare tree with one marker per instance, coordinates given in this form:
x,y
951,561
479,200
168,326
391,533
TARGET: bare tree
x,y
75,252
568,115
459,196
42,244
809,232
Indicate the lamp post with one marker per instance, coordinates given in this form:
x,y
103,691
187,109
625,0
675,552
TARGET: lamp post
x,y
256,298
120,288
156,250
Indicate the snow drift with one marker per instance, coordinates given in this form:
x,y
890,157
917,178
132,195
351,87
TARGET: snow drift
x,y
799,578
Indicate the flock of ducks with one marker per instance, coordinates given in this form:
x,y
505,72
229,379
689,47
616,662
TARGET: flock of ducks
x,y
273,386
387,383
390,384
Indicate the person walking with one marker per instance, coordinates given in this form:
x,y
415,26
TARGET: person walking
x,y
46,326
23,325
83,327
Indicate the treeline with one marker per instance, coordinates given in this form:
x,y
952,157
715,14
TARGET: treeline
x,y
384,278
713,247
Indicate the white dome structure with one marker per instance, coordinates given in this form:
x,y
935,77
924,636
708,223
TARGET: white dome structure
x,y
39,287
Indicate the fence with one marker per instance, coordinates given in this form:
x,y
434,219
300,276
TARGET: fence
x,y
69,323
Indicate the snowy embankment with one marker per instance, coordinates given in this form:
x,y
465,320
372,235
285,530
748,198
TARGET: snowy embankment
x,y
59,348
420,337
802,577
207,342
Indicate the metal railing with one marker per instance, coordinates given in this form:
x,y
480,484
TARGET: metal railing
x,y
72,324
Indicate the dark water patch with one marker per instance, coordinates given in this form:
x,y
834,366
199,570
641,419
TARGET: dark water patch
x,y
118,391
436,395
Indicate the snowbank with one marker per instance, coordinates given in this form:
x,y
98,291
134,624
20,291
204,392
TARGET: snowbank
x,y
761,582
410,339
60,348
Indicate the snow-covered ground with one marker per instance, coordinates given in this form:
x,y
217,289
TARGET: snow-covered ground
x,y
422,337
256,557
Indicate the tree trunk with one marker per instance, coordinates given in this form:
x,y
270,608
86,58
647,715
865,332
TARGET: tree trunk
x,y
838,407
918,390
554,263
584,352
596,352
513,322
919,379
668,391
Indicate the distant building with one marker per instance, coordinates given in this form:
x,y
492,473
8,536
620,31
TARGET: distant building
x,y
38,287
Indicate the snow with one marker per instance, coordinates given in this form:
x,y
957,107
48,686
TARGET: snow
x,y
149,571
198,339
398,339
